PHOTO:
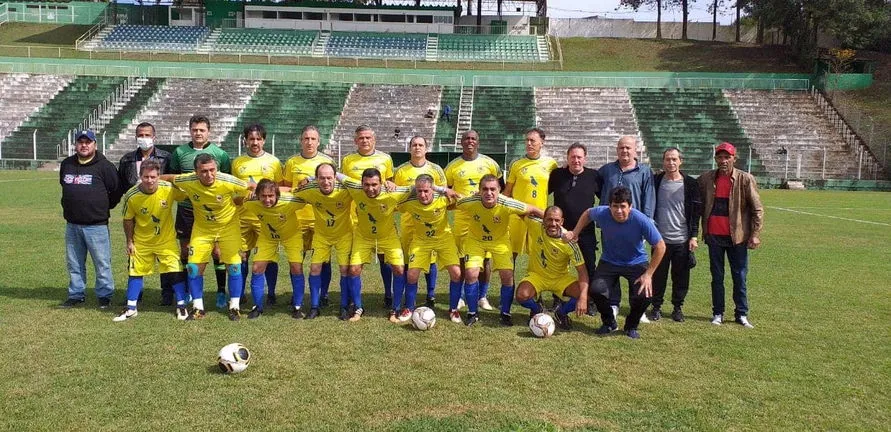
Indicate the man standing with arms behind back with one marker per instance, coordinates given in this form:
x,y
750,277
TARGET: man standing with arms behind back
x,y
732,218
89,190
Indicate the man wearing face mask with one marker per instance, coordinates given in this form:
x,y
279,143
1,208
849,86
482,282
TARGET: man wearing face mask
x,y
128,176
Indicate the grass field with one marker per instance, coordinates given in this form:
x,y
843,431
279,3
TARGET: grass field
x,y
819,358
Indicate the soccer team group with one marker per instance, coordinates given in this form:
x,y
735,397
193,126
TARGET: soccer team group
x,y
252,209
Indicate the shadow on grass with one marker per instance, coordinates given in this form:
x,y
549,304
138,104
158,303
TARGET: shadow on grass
x,y
62,35
724,57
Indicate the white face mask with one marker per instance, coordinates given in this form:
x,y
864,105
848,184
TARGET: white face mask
x,y
145,143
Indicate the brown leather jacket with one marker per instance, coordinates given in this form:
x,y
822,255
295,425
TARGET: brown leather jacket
x,y
746,211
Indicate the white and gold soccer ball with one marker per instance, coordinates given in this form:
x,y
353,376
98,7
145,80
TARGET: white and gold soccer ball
x,y
423,318
542,325
234,358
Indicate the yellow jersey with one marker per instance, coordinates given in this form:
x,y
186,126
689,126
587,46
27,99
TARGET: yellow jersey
x,y
550,257
428,222
407,173
375,215
299,168
152,214
253,169
278,222
354,163
464,175
530,179
331,212
213,205
489,224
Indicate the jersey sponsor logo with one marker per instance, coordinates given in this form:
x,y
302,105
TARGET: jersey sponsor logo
x,y
80,179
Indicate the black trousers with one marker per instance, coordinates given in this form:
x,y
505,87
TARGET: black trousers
x,y
677,259
588,245
605,277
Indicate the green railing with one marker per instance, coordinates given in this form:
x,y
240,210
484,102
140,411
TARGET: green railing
x,y
668,81
314,76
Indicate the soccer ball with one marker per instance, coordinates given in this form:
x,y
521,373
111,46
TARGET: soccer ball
x,y
542,325
234,358
423,318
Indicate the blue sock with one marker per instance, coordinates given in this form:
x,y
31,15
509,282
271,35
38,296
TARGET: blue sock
x,y
398,291
245,271
356,291
326,278
507,298
235,286
532,305
431,280
454,294
271,276
196,287
345,282
315,290
568,306
411,295
387,276
297,286
134,288
257,289
472,294
179,292
484,289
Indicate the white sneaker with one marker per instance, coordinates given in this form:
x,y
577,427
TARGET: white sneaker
x,y
717,319
129,313
455,316
461,304
181,313
743,321
644,319
484,304
615,312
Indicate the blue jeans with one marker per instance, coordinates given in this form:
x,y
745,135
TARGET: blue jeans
x,y
738,255
95,239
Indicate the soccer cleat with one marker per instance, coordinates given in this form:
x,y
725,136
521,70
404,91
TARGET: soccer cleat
x,y
234,314
181,313
388,302
325,302
297,313
455,316
656,314
471,319
126,314
431,301
393,317
718,319
70,303
313,314
405,315
633,334
507,320
221,300
744,321
255,313
461,304
271,299
104,302
357,315
484,304
606,329
196,314
563,321
677,315
344,314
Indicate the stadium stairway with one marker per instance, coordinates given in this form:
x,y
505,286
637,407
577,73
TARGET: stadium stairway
x,y
464,114
179,99
780,119
445,131
501,116
385,108
693,120
594,117
22,95
127,113
64,112
284,108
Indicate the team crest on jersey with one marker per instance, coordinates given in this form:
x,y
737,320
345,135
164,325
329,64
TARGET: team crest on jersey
x,y
196,197
242,169
476,218
383,207
496,219
319,205
362,206
524,170
259,216
219,198
282,217
417,216
143,211
338,205
163,203
540,241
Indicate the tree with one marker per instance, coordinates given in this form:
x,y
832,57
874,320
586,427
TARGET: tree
x,y
685,12
636,4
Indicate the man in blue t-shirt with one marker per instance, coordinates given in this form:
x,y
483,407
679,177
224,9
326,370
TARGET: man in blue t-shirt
x,y
623,231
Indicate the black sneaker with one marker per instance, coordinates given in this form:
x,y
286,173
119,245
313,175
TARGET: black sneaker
x,y
563,321
297,314
104,302
677,315
325,302
388,303
255,313
656,314
606,329
431,301
313,314
471,319
271,299
70,303
507,320
344,314
234,315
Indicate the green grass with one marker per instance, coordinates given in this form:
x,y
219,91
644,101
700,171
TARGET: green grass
x,y
818,359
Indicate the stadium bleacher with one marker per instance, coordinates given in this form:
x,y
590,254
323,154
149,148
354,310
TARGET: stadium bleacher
x,y
445,131
410,46
501,116
153,38
458,47
265,41
22,94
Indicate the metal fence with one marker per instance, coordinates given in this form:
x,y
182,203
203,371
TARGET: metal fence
x,y
668,82
873,133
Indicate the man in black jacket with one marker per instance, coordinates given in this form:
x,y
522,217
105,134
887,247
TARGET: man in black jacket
x,y
89,190
128,168
678,209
